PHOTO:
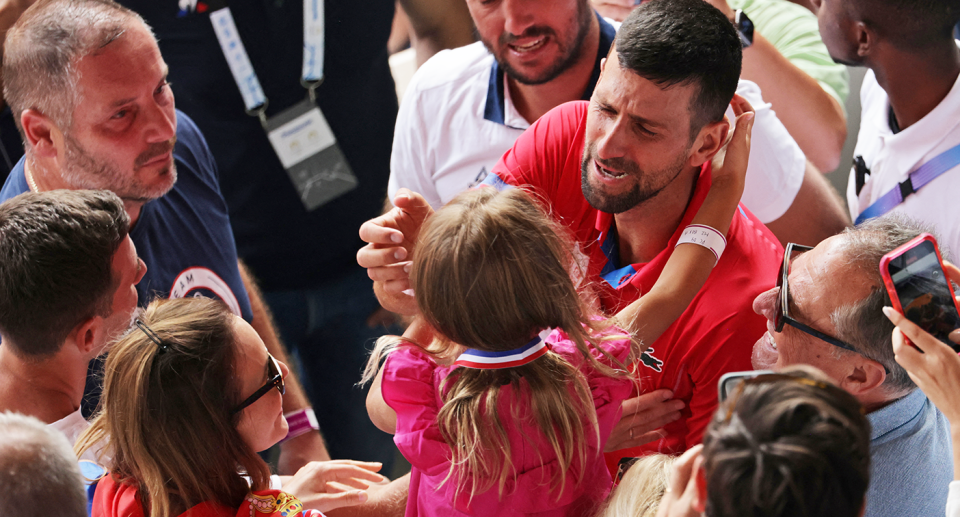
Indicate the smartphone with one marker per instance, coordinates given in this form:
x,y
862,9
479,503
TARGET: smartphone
x,y
913,275
729,381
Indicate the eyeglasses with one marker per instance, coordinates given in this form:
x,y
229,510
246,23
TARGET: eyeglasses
x,y
275,380
783,303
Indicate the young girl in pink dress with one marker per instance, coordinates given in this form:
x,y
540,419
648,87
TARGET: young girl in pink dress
x,y
503,404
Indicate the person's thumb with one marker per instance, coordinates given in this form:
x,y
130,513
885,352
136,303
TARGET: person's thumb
x,y
410,201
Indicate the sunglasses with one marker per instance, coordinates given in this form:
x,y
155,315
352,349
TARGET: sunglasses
x,y
274,380
782,306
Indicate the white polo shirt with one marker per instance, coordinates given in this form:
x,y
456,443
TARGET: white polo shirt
x,y
892,157
457,119
71,426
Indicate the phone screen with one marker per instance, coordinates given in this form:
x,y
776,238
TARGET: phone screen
x,y
923,291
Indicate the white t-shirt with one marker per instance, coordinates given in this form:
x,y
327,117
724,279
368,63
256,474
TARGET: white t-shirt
x,y
71,426
953,500
446,140
892,157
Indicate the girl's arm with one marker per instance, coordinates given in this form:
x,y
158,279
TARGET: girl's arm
x,y
690,264
381,414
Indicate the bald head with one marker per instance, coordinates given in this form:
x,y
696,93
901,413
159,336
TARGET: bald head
x,y
38,470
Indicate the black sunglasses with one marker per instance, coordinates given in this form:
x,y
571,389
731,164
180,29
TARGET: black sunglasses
x,y
274,380
783,303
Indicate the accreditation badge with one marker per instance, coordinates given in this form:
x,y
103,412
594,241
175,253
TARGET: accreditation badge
x,y
309,152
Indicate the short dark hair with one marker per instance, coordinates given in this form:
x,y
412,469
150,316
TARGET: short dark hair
x,y
56,255
674,42
788,448
910,24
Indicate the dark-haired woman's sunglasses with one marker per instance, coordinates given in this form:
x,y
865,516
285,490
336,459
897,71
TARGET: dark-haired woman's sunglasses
x,y
274,380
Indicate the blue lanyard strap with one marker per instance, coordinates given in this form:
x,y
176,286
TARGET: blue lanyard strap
x,y
242,70
924,174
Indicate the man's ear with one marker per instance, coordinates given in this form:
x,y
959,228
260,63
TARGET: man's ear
x,y
710,140
866,376
86,336
41,133
866,39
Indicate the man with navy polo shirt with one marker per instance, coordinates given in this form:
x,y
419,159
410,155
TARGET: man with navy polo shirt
x,y
625,173
466,106
96,112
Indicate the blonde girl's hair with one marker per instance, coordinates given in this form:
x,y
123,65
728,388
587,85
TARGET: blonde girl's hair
x,y
165,414
641,489
490,271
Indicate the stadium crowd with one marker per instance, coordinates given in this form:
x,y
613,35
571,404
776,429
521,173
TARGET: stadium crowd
x,y
590,263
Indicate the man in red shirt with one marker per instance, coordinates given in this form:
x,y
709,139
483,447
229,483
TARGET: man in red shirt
x,y
625,173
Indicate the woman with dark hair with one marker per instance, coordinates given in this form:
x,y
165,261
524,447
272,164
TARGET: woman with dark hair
x,y
783,445
190,396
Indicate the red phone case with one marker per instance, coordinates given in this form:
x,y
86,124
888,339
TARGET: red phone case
x,y
888,282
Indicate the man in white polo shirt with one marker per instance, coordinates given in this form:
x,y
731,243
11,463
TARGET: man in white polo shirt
x,y
911,107
465,107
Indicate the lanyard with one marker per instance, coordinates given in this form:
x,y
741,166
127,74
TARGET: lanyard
x,y
244,75
924,174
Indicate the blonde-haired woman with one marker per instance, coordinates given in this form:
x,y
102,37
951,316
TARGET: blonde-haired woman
x,y
642,487
190,396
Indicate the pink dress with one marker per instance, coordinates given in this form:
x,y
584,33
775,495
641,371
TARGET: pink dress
x,y
411,382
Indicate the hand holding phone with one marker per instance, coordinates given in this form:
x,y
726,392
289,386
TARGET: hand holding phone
x,y
919,288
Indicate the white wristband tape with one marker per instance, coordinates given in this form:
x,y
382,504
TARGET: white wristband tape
x,y
704,236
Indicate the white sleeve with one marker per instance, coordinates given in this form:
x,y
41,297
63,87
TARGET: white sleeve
x,y
411,165
953,499
776,167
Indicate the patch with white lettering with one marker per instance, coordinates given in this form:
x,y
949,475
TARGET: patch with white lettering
x,y
200,281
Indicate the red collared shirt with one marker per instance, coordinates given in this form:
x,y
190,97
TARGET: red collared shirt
x,y
716,333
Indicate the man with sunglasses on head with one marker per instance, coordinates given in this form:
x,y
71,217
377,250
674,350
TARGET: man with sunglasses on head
x,y
826,312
